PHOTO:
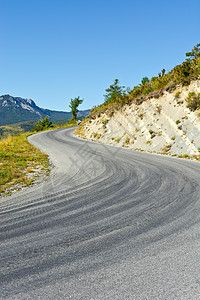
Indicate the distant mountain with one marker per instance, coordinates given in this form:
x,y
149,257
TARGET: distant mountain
x,y
16,109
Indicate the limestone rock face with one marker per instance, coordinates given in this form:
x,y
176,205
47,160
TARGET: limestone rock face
x,y
157,123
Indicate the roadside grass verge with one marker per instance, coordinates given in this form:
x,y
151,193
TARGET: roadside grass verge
x,y
20,163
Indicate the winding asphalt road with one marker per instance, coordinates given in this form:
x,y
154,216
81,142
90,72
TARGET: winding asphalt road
x,y
109,223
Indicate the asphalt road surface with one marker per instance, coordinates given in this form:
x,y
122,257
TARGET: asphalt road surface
x,y
109,223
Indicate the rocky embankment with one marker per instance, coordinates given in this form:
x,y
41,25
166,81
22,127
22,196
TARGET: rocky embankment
x,y
160,123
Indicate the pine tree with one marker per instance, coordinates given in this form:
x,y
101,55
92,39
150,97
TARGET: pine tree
x,y
113,92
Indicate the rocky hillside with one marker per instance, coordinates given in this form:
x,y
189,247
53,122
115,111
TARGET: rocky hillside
x,y
160,123
16,109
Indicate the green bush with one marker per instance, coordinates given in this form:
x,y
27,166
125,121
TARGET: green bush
x,y
193,101
177,95
182,72
43,125
105,121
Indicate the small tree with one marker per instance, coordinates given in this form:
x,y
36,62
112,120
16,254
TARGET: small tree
x,y
194,58
195,53
74,103
43,125
163,72
113,92
145,80
193,101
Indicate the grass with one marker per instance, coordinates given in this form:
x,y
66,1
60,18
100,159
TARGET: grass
x,y
127,141
152,133
177,95
105,121
19,161
141,116
97,135
17,128
118,140
166,149
22,127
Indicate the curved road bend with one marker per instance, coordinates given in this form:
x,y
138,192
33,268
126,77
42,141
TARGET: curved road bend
x,y
109,223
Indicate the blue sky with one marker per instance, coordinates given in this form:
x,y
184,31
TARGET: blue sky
x,y
55,50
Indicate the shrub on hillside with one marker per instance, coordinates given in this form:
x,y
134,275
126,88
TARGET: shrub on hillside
x,y
182,72
193,101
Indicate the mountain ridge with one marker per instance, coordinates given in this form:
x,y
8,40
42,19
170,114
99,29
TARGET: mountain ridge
x,y
17,109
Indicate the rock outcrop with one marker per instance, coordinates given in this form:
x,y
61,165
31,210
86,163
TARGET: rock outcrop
x,y
157,123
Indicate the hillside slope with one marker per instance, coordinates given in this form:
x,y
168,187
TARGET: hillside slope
x,y
16,109
159,125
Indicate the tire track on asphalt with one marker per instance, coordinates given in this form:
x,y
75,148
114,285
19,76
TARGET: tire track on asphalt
x,y
101,207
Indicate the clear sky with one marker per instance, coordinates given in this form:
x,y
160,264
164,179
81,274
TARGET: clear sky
x,y
55,50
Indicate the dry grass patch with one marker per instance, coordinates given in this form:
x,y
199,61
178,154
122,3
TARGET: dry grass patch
x,y
166,149
19,159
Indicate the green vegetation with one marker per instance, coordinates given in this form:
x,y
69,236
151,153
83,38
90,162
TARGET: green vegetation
x,y
74,103
17,128
193,101
152,133
105,121
114,92
145,80
19,161
47,125
141,116
13,112
43,125
22,127
166,149
127,141
177,95
117,96
118,140
97,135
